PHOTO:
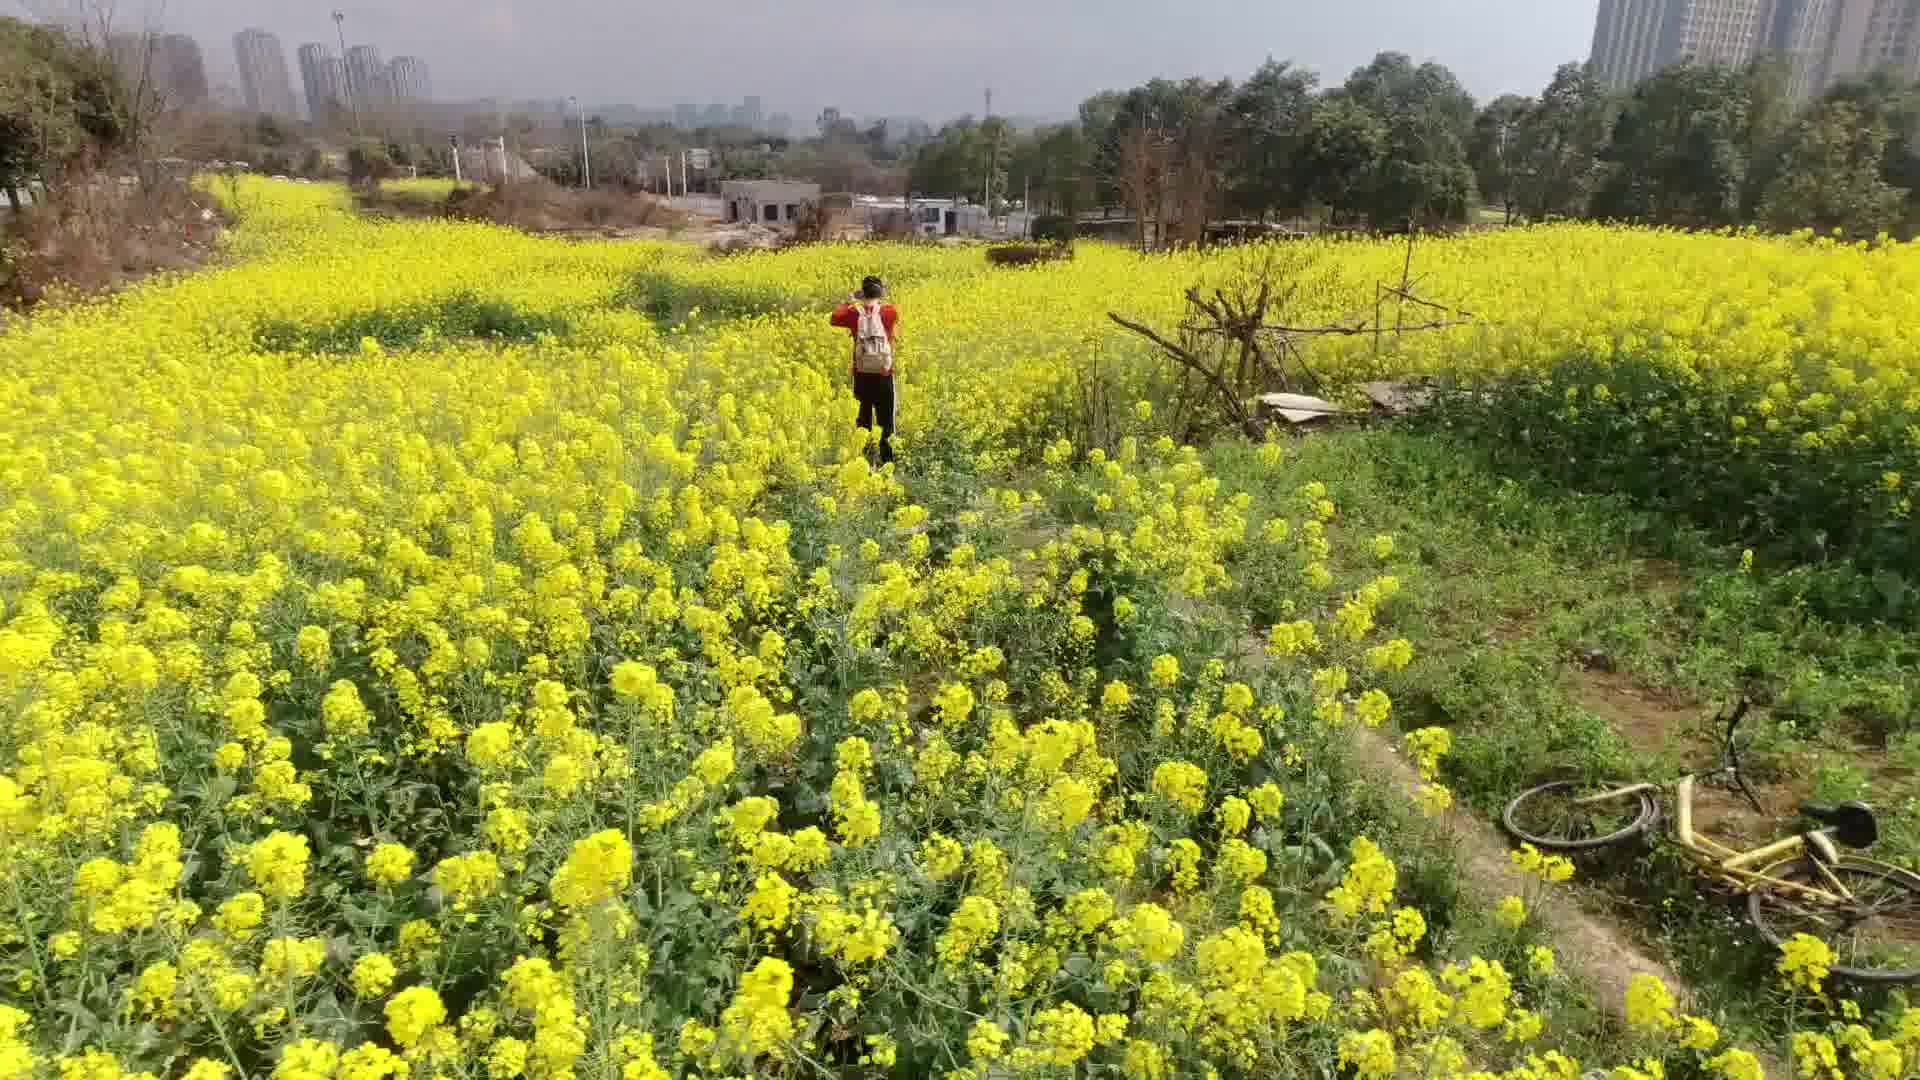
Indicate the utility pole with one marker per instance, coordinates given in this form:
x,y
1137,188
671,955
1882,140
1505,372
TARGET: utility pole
x,y
346,71
993,154
586,159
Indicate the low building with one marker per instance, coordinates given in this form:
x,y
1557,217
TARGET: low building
x,y
948,217
768,202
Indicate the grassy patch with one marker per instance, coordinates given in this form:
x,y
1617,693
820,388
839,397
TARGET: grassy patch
x,y
461,317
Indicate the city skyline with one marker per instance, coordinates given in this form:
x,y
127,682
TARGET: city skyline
x,y
885,60
1823,41
336,86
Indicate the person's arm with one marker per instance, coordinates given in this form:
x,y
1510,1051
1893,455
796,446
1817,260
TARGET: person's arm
x,y
889,317
845,317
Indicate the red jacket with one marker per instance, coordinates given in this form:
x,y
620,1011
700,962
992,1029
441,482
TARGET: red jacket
x,y
847,317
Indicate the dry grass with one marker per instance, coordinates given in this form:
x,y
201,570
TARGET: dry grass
x,y
1027,254
96,234
536,206
540,206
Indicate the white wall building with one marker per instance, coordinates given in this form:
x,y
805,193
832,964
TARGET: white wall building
x,y
767,202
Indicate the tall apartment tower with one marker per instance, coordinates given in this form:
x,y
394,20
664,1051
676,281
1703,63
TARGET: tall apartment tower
x,y
1870,35
367,77
1721,33
321,77
1801,33
263,73
409,79
181,69
1629,41
1819,39
166,64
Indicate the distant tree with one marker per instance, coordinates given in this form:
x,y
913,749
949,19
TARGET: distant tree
x,y
1830,176
1769,116
1560,140
1340,154
367,162
1054,163
121,61
1141,174
1495,149
1678,152
1422,173
953,163
268,131
1202,145
1885,100
1099,127
58,103
1269,117
1165,151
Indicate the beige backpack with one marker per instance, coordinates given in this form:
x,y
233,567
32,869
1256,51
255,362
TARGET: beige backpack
x,y
872,348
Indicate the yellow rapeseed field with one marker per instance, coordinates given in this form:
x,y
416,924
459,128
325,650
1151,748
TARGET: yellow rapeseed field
x,y
416,658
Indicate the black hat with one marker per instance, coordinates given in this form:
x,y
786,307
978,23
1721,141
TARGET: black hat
x,y
872,287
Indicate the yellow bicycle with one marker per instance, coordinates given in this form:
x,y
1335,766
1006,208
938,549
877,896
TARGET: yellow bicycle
x,y
1868,912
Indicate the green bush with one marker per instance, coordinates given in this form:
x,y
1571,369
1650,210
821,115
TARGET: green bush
x,y
1052,228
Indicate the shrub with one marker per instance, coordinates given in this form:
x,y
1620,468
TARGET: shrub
x,y
1026,254
1053,228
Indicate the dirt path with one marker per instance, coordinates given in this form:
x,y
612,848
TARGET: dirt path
x,y
1601,956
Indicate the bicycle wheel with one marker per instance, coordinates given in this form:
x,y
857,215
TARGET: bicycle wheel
x,y
1551,816
1875,938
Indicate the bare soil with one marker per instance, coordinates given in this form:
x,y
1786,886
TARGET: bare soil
x,y
97,235
1651,720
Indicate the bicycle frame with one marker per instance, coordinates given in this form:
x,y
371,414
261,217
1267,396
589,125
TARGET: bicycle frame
x,y
1735,867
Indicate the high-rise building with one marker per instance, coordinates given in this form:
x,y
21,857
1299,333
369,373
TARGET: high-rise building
x,y
1801,33
322,76
337,79
754,116
264,82
716,115
686,116
182,71
408,77
367,77
1627,41
1721,33
1633,39
1871,35
168,65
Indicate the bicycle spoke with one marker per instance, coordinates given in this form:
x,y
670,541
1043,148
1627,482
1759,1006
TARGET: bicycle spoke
x,y
1561,814
1875,929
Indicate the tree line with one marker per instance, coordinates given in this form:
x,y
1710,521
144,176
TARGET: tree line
x,y
61,103
1400,143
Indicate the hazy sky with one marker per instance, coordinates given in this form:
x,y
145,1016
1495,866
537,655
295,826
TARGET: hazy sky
x,y
927,57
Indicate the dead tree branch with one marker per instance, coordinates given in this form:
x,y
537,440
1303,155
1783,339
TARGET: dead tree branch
x,y
1239,344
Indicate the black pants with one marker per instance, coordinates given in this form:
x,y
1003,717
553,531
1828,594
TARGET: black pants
x,y
875,395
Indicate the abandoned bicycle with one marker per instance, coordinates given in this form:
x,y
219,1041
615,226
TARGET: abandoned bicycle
x,y
1867,912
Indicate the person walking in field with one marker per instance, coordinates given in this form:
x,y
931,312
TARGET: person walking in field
x,y
872,324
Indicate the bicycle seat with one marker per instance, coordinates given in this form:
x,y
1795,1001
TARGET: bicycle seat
x,y
1853,823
